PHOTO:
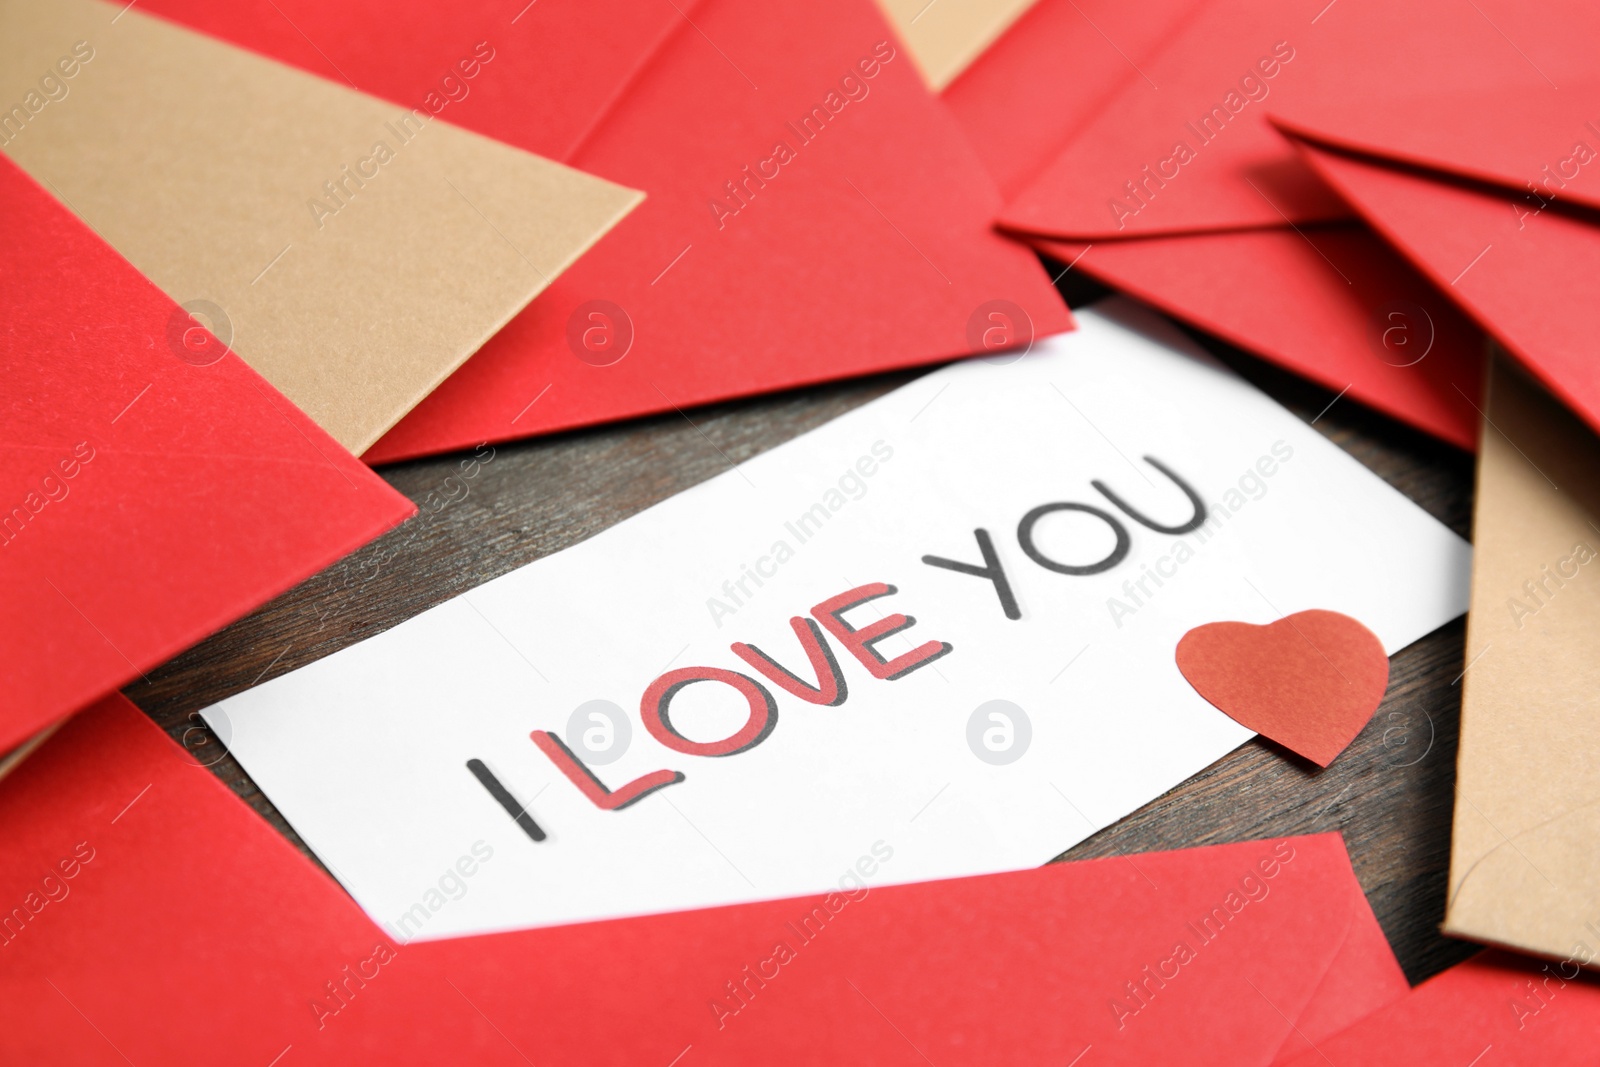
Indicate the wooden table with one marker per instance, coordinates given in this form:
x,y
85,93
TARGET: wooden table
x,y
1390,793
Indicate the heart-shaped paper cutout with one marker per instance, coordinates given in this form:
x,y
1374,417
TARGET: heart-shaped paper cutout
x,y
1309,681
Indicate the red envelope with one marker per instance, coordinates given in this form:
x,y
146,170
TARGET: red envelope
x,y
147,916
1051,73
1035,967
1211,86
1335,305
864,245
153,488
154,917
1495,1009
1519,263
1524,141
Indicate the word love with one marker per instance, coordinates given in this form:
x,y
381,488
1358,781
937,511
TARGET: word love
x,y
829,690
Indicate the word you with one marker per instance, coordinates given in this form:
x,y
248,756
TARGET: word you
x,y
341,189
53,88
1251,485
450,885
851,485
993,571
740,191
53,488
53,889
1153,978
741,991
1550,181
1566,569
1143,188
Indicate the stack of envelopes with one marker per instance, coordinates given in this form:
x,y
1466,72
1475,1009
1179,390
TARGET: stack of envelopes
x,y
252,251
1355,190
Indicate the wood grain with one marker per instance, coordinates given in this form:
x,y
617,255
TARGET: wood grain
x,y
1390,793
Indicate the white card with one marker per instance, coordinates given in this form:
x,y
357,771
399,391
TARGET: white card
x,y
766,793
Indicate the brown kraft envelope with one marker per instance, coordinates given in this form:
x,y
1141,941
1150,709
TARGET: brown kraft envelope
x,y
1525,859
352,251
945,36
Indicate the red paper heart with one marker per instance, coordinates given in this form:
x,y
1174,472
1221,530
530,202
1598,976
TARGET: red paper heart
x,y
1309,681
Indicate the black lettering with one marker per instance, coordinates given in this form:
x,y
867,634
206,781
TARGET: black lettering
x,y
992,570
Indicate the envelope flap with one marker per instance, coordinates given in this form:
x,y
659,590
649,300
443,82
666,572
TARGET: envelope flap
x,y
779,208
1361,971
1521,271
1199,955
1345,311
1184,147
1533,141
152,486
1495,1008
1047,76
1188,148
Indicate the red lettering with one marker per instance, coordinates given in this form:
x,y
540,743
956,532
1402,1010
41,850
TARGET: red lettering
x,y
653,708
590,786
830,690
860,642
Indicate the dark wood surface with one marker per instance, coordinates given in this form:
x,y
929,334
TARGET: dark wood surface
x,y
1390,793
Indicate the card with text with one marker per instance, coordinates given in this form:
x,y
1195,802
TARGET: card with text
x,y
943,624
